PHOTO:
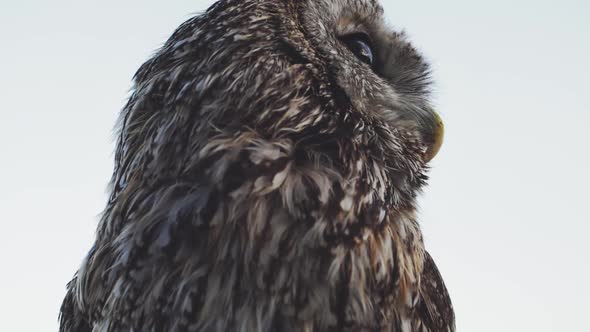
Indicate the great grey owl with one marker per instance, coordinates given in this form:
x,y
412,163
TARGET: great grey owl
x,y
266,175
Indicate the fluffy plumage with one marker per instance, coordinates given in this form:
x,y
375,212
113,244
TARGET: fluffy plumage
x,y
266,180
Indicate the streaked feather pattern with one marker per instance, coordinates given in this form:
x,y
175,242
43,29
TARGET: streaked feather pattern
x,y
265,180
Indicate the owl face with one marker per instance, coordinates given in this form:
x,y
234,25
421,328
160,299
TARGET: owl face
x,y
385,78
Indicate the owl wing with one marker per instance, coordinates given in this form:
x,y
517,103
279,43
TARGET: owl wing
x,y
70,317
434,310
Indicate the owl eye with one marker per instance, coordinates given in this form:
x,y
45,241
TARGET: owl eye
x,y
360,44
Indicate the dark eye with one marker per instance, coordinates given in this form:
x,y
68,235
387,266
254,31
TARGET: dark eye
x,y
360,44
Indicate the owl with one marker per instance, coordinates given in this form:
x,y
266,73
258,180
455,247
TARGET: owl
x,y
266,173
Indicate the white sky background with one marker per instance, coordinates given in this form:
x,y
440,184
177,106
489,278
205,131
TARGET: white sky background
x,y
506,213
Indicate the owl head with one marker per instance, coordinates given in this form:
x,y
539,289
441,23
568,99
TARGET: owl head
x,y
325,82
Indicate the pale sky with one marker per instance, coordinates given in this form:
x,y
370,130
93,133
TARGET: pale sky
x,y
506,215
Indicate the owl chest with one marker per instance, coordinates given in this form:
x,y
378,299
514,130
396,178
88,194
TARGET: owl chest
x,y
324,250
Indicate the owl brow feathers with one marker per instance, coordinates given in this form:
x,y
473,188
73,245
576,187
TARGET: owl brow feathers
x,y
258,186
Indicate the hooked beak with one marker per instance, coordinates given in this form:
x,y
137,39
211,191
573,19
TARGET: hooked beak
x,y
435,139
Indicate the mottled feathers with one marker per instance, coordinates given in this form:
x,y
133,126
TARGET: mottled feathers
x,y
266,180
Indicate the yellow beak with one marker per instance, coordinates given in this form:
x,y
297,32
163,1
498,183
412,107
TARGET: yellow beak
x,y
437,139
